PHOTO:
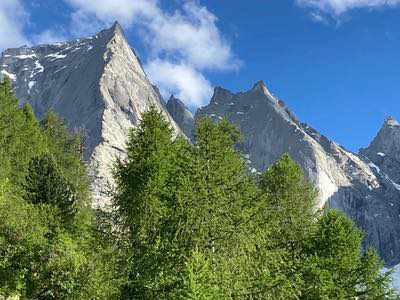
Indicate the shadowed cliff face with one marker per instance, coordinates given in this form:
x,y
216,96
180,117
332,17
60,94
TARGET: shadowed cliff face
x,y
96,84
345,180
181,115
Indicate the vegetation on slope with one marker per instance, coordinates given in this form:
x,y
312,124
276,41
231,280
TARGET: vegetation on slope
x,y
189,221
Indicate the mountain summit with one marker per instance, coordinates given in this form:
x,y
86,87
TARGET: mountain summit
x,y
345,180
95,83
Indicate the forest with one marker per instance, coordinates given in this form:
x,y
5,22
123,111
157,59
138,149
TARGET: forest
x,y
186,220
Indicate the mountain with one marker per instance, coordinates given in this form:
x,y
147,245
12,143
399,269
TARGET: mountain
x,y
347,181
97,84
182,116
384,150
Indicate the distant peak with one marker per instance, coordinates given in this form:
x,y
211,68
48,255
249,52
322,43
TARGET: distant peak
x,y
260,86
175,101
391,121
173,98
116,28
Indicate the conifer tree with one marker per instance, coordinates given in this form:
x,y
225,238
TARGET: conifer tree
x,y
336,267
46,184
291,203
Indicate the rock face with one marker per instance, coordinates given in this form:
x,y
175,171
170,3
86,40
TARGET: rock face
x,y
96,84
182,116
345,180
384,150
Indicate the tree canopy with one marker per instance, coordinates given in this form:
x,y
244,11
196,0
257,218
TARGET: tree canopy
x,y
189,220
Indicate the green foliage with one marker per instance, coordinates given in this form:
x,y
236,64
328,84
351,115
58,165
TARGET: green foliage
x,y
189,222
336,268
20,136
198,226
50,244
46,184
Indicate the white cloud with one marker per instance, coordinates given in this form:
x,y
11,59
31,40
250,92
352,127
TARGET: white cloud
x,y
181,80
339,7
48,36
183,43
13,17
187,40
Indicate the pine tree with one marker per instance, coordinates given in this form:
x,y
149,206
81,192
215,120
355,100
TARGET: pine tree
x,y
336,266
20,136
291,203
46,184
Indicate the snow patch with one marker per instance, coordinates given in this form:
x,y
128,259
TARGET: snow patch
x,y
38,67
60,69
30,85
25,56
381,154
372,165
9,75
56,56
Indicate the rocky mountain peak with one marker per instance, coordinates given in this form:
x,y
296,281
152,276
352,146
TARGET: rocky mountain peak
x,y
344,180
384,150
173,101
96,84
261,86
391,122
181,115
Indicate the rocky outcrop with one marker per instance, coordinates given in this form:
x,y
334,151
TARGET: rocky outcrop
x,y
344,180
96,84
181,115
384,150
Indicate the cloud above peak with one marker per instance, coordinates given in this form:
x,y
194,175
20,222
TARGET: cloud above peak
x,y
339,7
182,45
186,41
12,19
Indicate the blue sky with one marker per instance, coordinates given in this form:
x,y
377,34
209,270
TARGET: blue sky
x,y
335,63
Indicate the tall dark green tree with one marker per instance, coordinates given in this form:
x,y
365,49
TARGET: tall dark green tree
x,y
291,201
46,184
336,267
43,181
20,136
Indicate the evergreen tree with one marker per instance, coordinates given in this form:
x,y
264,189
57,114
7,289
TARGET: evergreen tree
x,y
46,184
337,268
20,136
42,181
291,203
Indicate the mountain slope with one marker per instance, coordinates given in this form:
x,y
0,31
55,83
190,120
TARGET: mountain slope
x,y
384,150
182,116
345,180
95,83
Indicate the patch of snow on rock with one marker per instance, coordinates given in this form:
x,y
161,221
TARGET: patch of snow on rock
x,y
31,84
56,56
9,75
372,165
25,56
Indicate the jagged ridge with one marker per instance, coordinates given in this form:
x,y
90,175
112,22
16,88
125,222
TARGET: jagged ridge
x,y
96,83
345,180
